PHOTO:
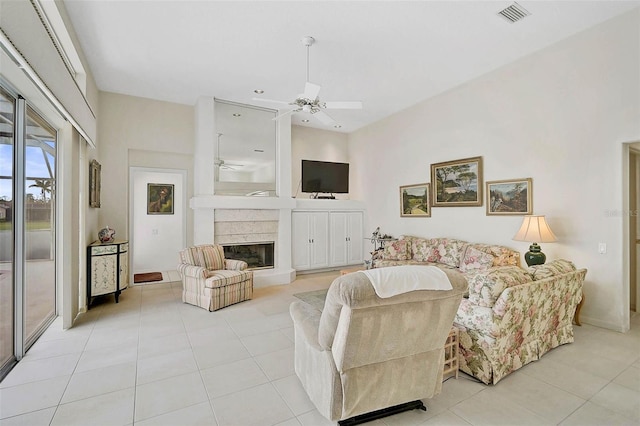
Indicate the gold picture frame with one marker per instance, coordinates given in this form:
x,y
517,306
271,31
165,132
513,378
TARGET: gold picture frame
x,y
95,170
415,200
457,183
511,197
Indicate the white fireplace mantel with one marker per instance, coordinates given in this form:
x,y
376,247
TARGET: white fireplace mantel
x,y
209,202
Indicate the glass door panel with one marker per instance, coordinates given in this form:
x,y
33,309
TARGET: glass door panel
x,y
40,199
7,132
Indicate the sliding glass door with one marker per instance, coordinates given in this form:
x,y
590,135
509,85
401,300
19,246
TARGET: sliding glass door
x,y
39,243
27,227
7,312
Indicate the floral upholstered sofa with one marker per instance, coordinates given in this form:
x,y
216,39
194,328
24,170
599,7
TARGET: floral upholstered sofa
x,y
511,316
449,253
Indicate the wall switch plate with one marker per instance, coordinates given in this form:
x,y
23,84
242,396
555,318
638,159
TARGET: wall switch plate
x,y
602,248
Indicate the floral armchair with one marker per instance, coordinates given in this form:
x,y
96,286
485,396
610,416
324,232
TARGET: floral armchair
x,y
210,281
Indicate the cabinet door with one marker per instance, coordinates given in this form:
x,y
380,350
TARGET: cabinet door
x,y
319,232
300,241
124,270
339,238
355,238
104,270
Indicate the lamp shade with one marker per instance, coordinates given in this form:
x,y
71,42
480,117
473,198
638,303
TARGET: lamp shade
x,y
535,229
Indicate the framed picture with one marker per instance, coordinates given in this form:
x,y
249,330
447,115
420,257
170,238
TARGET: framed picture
x,y
94,183
510,197
457,183
159,198
414,200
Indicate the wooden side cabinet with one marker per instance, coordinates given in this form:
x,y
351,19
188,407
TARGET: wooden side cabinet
x,y
107,269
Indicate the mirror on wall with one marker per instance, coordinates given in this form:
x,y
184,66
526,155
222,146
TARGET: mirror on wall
x,y
245,151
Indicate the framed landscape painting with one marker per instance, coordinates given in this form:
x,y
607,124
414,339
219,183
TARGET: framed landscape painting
x,y
159,198
457,183
510,197
414,200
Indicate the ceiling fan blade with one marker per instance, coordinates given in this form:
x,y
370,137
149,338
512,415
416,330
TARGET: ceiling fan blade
x,y
324,118
273,101
311,91
279,116
343,105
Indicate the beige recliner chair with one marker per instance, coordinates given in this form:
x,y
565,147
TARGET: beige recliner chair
x,y
364,353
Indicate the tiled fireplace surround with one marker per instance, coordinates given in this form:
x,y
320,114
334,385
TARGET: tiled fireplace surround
x,y
242,227
228,219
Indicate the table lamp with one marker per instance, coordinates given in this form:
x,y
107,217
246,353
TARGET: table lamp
x,y
535,228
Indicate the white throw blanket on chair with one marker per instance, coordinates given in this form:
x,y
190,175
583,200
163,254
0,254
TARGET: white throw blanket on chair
x,y
395,280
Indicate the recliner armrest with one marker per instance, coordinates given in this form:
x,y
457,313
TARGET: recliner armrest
x,y
235,265
191,270
306,318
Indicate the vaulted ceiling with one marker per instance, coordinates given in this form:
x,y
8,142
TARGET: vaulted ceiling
x,y
388,54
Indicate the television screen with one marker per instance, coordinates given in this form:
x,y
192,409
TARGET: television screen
x,y
323,176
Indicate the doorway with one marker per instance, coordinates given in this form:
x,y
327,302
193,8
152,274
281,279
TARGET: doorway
x,y
158,218
634,227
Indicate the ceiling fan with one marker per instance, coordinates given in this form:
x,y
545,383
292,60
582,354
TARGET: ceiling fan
x,y
220,163
309,102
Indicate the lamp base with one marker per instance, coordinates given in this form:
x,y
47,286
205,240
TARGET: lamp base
x,y
534,256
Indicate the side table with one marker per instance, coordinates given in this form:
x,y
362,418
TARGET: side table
x,y
451,353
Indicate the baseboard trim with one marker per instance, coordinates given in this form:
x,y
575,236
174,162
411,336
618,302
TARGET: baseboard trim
x,y
621,328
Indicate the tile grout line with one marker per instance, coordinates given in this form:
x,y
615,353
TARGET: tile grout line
x,y
135,378
204,386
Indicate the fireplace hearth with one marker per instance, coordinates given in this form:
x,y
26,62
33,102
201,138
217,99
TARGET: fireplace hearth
x,y
257,255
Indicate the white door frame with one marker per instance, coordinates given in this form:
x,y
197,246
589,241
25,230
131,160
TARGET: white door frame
x,y
132,171
627,238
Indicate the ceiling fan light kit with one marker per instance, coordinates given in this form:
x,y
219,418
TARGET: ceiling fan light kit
x,y
309,101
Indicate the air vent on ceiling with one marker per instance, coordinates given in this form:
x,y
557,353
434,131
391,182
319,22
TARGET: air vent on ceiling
x,y
514,13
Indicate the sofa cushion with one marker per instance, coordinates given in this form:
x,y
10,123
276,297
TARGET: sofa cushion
x,y
425,249
474,317
212,256
486,286
450,251
396,250
551,269
383,263
475,260
502,256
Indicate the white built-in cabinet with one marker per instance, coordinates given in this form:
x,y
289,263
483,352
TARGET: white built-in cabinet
x,y
310,235
324,239
346,238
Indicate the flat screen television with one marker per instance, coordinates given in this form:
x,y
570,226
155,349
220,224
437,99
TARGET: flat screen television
x,y
324,176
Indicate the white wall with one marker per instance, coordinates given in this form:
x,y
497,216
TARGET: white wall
x,y
157,238
140,132
314,144
559,116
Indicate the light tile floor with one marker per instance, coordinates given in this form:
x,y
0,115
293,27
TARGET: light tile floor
x,y
152,360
